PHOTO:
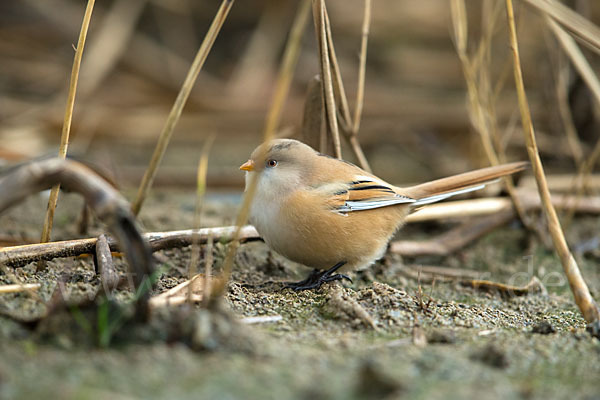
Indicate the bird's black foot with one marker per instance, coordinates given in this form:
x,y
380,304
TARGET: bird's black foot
x,y
317,278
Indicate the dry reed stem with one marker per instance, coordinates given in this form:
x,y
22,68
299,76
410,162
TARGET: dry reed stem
x,y
200,191
577,58
284,79
68,117
583,298
110,42
328,92
346,121
314,131
288,64
360,92
253,71
562,95
482,111
182,96
338,82
588,75
208,263
585,30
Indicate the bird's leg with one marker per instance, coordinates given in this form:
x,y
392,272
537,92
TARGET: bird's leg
x,y
317,278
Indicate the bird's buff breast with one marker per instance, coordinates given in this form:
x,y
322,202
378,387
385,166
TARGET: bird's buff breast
x,y
304,230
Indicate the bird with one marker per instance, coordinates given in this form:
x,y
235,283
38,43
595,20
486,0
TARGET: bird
x,y
330,215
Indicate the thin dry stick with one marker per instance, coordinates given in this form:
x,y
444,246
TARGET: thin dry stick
x,y
360,92
338,84
481,107
17,256
16,288
579,26
582,295
20,255
182,96
290,59
208,262
562,95
313,129
105,266
328,94
454,239
16,282
66,129
200,191
110,42
346,121
284,80
591,79
534,286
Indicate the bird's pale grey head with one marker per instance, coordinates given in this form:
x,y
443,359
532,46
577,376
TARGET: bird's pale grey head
x,y
282,164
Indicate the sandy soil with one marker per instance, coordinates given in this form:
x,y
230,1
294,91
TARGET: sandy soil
x,y
383,336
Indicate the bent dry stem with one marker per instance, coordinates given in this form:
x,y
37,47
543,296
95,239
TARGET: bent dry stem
x,y
582,295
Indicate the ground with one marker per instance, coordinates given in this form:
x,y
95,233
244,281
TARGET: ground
x,y
383,336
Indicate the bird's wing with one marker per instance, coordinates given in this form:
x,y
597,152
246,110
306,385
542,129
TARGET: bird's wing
x,y
364,193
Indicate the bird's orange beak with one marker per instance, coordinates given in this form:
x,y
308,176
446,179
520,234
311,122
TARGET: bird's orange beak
x,y
247,166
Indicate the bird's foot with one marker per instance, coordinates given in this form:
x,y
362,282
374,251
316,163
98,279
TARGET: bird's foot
x,y
317,278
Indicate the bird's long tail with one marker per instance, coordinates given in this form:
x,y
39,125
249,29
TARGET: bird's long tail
x,y
440,189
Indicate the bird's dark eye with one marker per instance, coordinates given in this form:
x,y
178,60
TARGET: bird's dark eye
x,y
271,163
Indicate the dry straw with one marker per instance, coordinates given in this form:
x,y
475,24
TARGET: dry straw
x,y
591,79
349,125
579,288
580,27
200,191
184,92
482,94
284,80
66,129
326,75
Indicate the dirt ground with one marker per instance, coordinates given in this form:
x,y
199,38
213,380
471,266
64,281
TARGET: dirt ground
x,y
383,336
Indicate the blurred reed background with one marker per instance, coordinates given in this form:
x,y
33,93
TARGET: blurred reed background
x,y
415,122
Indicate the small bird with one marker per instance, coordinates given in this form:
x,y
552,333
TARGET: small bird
x,y
333,216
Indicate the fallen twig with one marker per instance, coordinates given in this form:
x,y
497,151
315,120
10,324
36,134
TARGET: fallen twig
x,y
261,319
534,286
106,202
188,291
453,240
16,256
429,273
104,265
561,183
20,255
16,288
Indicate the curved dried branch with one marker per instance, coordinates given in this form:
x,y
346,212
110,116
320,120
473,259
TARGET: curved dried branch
x,y
102,198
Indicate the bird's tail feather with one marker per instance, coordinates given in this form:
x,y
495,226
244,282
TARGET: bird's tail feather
x,y
440,189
